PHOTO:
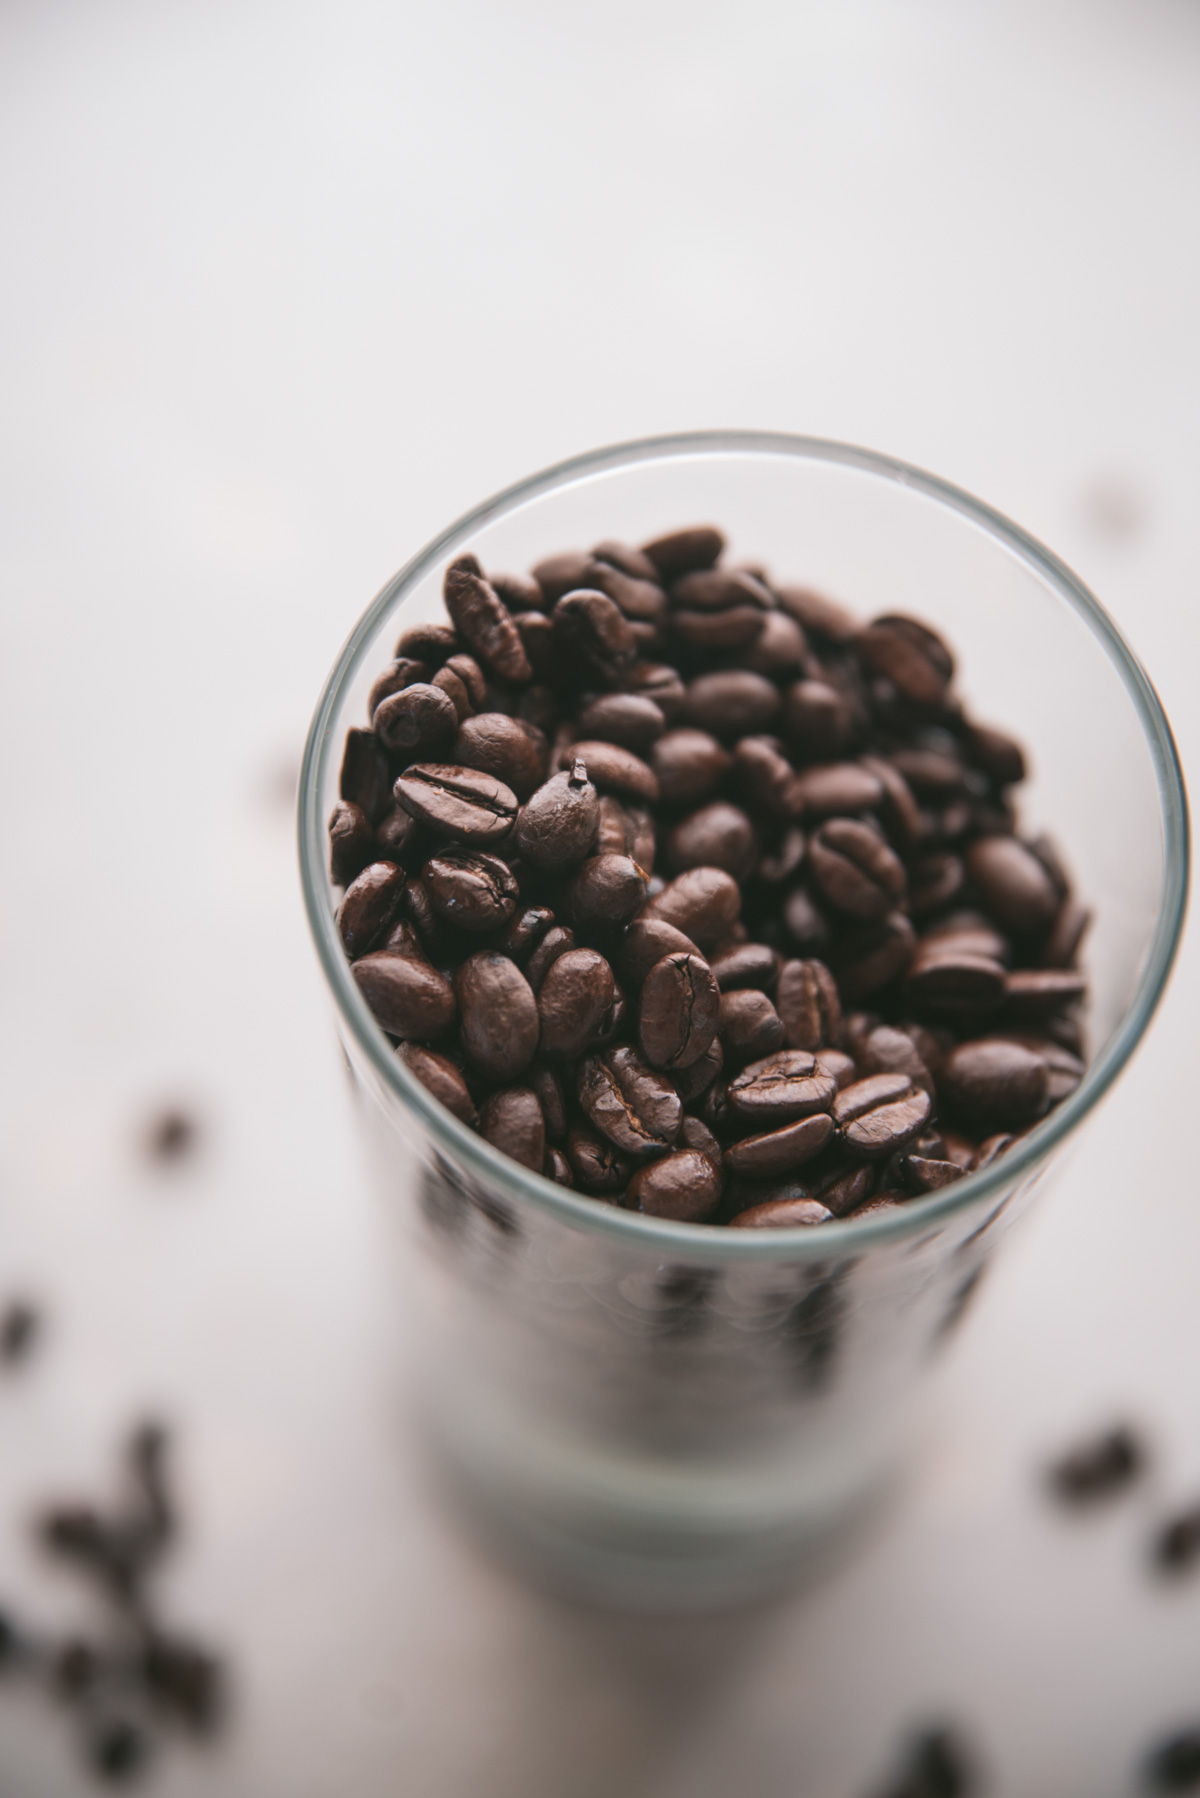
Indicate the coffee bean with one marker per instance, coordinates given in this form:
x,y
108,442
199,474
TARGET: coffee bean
x,y
410,999
703,903
557,941
395,835
498,745
644,943
808,1003
855,870
440,1077
782,1214
556,575
498,1015
989,1150
747,964
596,1164
1031,994
886,1050
805,923
594,637
630,561
371,902
880,1114
612,769
733,704
1174,1765
525,931
605,893
719,590
1062,945
484,622
779,1151
995,1083
626,829
511,1120
779,649
556,1167
628,719
366,779
910,655
471,889
419,720
679,1011
661,683
680,552
574,997
833,790
764,777
719,835
934,881
946,981
689,765
398,674
429,644
458,802
843,1186
719,632
684,1186
780,1088
873,956
1177,1543
557,827
637,1109
1096,1469
536,632
821,617
351,842
818,721
924,1173
1014,885
750,1025
547,1083
642,601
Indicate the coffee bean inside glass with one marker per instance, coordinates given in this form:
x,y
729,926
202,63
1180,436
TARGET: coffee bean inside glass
x,y
669,1382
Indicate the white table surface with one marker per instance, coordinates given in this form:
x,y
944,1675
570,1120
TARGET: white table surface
x,y
285,288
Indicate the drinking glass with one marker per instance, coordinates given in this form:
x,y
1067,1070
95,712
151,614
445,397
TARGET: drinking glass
x,y
663,1415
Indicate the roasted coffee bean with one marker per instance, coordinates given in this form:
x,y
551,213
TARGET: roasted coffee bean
x,y
780,1088
932,774
628,719
684,1186
679,1011
371,902
680,552
807,1001
557,1168
1064,1068
409,998
1174,1765
434,937
395,834
719,835
471,889
779,649
747,964
911,656
816,614
519,592
703,903
1014,885
594,637
1098,1468
511,1120
1031,994
499,745
764,777
879,1115
818,721
498,1015
925,1174
556,575
351,842
733,704
837,1064
536,632
719,590
834,790
692,1081
642,601
689,766
995,1083
719,632
596,1163
784,858
605,893
694,1133
366,779
398,674
458,802
782,1214
968,932
630,561
1070,926
779,1151
988,1151
886,1050
1177,1543
750,1025
661,683
484,622
547,1083
880,1201
646,942
637,1109
430,644
557,940
440,1077
946,981
933,882
855,870
612,769
525,931
626,829
573,1000
999,755
843,1186
873,956
557,827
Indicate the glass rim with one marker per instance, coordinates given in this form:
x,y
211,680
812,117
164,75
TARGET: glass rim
x,y
706,1241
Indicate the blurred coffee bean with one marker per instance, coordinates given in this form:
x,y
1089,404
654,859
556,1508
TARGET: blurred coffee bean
x,y
395,835
498,745
818,615
661,683
689,765
1014,885
782,1214
1096,1469
833,790
948,981
498,1015
511,1120
547,1083
557,1167
923,1173
887,1050
719,632
1031,994
873,956
594,637
778,651
733,704
995,1083
989,1150
1174,1765
572,1002
613,769
817,721
764,777
879,1115
483,621
912,657
440,1077
934,881
719,590
525,931
683,1186
409,998
370,903
429,644
471,889
746,964
1177,1543
642,601
680,552
559,574
1062,945
719,835
366,779
702,902
806,924
630,561
637,1109
855,870
628,719
351,842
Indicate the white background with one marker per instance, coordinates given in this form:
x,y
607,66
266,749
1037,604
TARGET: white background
x,y
283,288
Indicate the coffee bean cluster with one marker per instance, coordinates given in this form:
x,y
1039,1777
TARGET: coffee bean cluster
x,y
693,893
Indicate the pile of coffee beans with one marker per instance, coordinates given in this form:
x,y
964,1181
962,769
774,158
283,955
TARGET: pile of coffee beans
x,y
693,893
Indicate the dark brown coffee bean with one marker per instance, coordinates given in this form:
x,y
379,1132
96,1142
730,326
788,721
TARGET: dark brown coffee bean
x,y
596,1164
525,931
440,1077
779,1151
844,1186
969,933
662,684
898,810
458,802
880,1114
628,719
999,755
695,1134
430,644
498,1015
626,829
782,1214
924,1174
994,1082
934,882
366,779
536,632
630,561
435,937
784,858
1062,945
395,834
873,956
750,1025
818,721
1099,1468
557,827
816,614
520,592
833,789
642,601
556,575
557,941
855,870
351,842
703,903
1031,994
684,1187
498,745
646,942
1064,1068
931,773
780,1088
747,964
779,649
887,1050
511,1120
397,675
689,766
1015,887
946,981
594,637
764,777
910,655
691,1082
680,552
547,1083
410,999
557,1168
733,704
719,590
573,1000
638,1110
807,1001
678,1012
606,892
612,769
719,632
403,938
805,924
371,902
989,1150
484,622
717,836
471,889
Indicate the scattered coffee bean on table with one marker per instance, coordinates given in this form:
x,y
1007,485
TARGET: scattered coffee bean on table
x,y
1098,1468
642,845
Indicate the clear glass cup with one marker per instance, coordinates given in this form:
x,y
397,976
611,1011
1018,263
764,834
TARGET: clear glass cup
x,y
661,1415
